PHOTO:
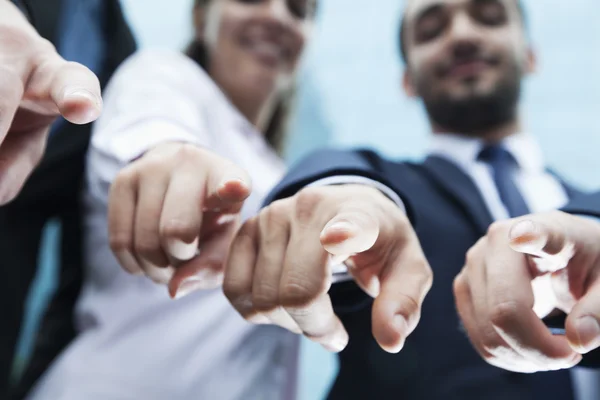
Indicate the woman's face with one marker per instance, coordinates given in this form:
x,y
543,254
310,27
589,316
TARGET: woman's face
x,y
254,43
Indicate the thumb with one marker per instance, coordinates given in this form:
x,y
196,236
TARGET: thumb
x,y
547,242
350,233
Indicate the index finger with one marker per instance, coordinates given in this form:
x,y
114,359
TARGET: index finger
x,y
405,280
227,186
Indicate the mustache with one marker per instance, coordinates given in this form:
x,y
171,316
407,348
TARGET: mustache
x,y
446,66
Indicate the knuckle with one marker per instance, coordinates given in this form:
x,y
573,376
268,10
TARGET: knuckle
x,y
427,274
152,163
459,286
14,39
233,289
471,256
277,213
247,230
186,152
44,45
176,228
265,297
120,242
125,177
307,200
11,90
497,229
146,246
299,292
504,314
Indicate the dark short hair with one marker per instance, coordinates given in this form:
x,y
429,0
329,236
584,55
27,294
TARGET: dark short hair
x,y
402,31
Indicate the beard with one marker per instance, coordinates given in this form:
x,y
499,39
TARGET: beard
x,y
476,113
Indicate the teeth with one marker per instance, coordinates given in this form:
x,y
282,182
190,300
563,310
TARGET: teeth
x,y
267,49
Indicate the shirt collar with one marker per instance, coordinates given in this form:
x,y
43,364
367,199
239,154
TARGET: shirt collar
x,y
464,150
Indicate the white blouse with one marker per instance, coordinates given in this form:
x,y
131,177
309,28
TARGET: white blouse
x,y
134,341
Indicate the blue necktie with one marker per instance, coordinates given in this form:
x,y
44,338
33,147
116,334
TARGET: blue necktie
x,y
81,36
503,165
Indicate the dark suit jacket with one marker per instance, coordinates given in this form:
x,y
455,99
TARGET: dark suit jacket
x,y
52,192
438,361
585,205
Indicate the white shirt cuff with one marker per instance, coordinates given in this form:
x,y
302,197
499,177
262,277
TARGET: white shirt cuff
x,y
340,271
591,218
140,137
361,180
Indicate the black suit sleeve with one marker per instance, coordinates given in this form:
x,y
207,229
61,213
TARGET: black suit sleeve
x,y
330,163
584,205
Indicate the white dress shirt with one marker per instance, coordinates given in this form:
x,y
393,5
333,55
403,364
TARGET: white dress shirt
x,y
135,342
540,190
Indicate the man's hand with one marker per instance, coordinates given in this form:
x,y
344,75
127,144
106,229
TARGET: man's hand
x,y
36,85
522,270
279,270
164,207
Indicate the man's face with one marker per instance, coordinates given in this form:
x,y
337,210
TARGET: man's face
x,y
466,59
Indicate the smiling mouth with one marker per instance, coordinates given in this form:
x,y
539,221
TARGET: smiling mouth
x,y
469,68
269,52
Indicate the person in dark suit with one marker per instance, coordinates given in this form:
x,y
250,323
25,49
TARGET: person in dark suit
x,y
96,35
466,60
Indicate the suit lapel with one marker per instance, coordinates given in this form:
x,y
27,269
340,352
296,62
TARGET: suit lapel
x,y
460,188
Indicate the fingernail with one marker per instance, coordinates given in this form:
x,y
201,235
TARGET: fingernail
x,y
227,181
576,359
232,179
129,263
227,218
402,327
523,228
182,251
588,334
338,226
337,344
161,276
526,235
374,287
84,94
570,363
189,285
259,319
